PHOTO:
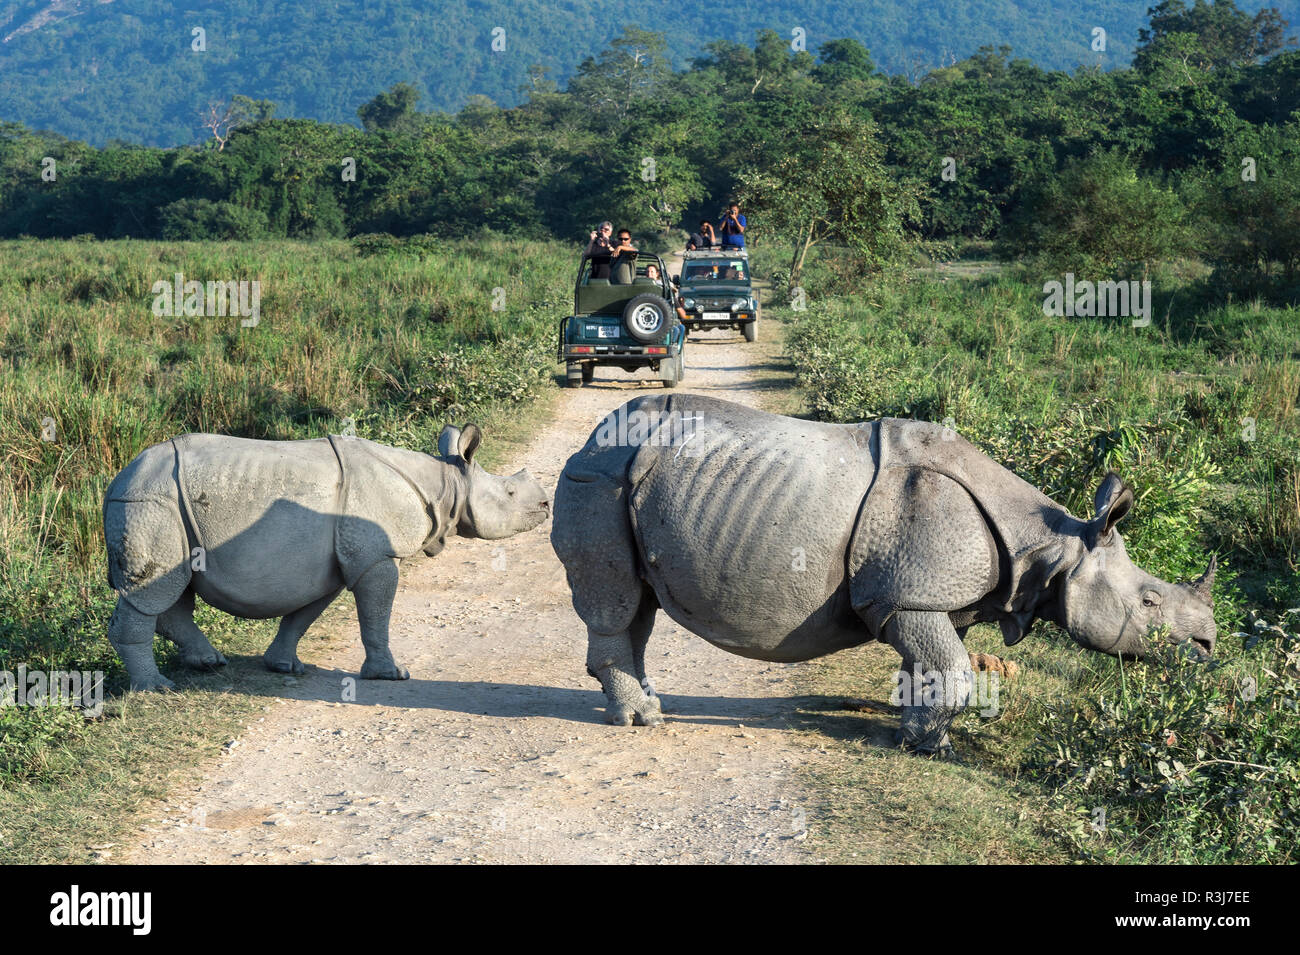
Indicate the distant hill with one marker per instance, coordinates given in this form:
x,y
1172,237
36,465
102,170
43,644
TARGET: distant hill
x,y
100,70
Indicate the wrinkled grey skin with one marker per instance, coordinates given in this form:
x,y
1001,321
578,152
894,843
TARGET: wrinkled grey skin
x,y
782,539
278,528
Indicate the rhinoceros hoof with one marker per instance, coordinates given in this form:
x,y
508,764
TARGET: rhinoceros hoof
x,y
622,715
942,749
294,666
154,684
205,660
384,671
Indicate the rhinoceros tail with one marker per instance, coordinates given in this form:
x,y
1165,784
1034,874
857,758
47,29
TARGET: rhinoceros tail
x,y
148,563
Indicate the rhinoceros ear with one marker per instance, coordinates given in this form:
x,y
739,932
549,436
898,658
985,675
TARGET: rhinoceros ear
x,y
448,441
1114,500
470,438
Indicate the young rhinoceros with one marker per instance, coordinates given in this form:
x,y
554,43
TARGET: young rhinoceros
x,y
278,528
784,540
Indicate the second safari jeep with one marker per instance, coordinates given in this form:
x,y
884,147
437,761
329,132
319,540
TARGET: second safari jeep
x,y
716,291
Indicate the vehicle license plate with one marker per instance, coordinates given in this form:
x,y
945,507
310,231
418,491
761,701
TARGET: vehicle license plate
x,y
717,316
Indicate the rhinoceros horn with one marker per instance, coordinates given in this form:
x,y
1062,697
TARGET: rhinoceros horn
x,y
1203,584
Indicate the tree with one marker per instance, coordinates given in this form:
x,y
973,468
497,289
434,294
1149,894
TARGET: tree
x,y
1208,36
1098,215
649,181
1248,226
539,82
828,181
392,109
843,61
223,119
632,68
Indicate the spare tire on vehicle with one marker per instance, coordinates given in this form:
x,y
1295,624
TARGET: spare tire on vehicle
x,y
646,317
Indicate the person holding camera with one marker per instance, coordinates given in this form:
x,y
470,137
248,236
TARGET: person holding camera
x,y
600,250
732,228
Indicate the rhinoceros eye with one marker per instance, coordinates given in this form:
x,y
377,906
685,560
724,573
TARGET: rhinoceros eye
x,y
1151,599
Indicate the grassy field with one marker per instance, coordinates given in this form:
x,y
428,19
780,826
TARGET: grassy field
x,y
393,338
388,338
1163,762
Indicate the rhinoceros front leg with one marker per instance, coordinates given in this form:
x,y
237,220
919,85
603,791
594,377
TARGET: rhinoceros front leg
x,y
937,677
131,634
617,660
282,655
375,591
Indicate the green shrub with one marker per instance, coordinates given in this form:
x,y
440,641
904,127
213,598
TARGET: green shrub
x,y
1191,762
1097,218
34,740
198,219
383,244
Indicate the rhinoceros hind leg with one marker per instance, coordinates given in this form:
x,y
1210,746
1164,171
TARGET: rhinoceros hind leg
x,y
177,624
131,634
592,536
639,631
282,655
937,678
375,591
618,661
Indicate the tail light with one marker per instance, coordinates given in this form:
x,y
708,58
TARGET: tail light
x,y
581,350
656,351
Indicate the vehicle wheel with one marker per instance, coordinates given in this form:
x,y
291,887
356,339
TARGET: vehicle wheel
x,y
751,330
670,372
588,372
573,376
646,318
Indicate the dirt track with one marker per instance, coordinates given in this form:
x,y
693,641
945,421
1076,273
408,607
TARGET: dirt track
x,y
496,750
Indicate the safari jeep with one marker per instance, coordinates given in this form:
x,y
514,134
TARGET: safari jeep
x,y
716,291
627,320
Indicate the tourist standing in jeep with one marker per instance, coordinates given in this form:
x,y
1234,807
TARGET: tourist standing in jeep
x,y
732,228
703,238
600,250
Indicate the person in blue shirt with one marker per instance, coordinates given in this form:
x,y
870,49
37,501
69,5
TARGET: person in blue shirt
x,y
732,228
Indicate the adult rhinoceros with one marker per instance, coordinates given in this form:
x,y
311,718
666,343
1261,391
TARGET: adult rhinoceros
x,y
784,540
278,528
